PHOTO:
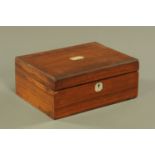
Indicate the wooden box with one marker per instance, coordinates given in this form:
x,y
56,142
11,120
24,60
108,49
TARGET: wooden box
x,y
70,80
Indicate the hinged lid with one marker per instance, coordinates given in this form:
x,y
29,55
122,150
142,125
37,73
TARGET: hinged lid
x,y
76,65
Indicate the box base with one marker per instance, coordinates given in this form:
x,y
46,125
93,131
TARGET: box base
x,y
44,101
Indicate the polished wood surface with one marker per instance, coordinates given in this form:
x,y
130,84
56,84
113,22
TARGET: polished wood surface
x,y
84,97
60,87
56,70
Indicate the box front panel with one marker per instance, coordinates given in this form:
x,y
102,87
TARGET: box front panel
x,y
95,94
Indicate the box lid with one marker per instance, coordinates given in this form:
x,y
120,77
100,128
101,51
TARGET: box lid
x,y
76,65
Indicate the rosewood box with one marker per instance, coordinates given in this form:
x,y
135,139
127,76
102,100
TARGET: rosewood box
x,y
71,80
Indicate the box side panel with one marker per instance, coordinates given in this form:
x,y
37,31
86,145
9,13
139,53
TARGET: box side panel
x,y
82,98
36,95
38,75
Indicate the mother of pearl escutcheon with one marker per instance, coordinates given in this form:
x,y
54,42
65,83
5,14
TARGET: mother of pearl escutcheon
x,y
98,86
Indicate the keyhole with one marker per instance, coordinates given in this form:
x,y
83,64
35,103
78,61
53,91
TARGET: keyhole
x,y
98,86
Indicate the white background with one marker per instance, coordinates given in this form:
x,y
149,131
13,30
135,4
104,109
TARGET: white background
x,y
77,12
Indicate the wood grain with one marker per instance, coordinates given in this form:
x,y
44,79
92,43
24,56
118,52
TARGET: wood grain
x,y
59,87
95,103
55,69
87,91
84,97
73,100
30,92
